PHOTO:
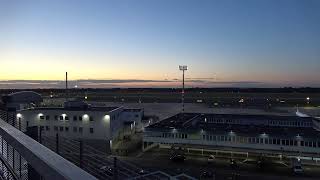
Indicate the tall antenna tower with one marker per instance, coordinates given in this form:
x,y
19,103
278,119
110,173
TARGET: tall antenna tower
x,y
183,68
66,86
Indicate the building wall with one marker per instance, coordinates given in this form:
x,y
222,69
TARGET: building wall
x,y
267,143
94,124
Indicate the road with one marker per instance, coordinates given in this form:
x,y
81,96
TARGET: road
x,y
194,165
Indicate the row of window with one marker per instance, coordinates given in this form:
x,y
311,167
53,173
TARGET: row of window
x,y
66,118
247,140
175,135
66,129
254,140
272,123
290,123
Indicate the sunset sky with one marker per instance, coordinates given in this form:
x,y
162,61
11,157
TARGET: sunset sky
x,y
267,43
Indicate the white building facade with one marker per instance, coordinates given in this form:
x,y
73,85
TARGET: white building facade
x,y
79,120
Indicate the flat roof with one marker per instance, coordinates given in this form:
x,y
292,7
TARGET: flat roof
x,y
90,108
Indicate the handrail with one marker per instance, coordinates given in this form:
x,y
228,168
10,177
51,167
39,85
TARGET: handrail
x,y
47,163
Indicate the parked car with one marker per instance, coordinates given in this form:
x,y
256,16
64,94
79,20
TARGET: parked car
x,y
177,158
211,158
108,170
207,174
233,164
297,166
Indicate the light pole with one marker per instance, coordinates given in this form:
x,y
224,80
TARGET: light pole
x,y
183,68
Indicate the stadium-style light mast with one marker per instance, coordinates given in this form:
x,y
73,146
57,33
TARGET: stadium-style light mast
x,y
183,68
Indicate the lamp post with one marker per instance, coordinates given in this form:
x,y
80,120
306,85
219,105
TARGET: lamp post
x,y
183,68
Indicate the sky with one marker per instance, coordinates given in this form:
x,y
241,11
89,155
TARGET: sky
x,y
139,43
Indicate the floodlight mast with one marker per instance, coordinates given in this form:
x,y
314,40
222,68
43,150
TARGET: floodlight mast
x,y
183,68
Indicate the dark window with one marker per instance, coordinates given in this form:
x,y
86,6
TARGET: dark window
x,y
295,143
67,129
74,118
91,130
302,143
66,118
56,118
47,117
61,118
278,141
80,118
41,128
56,128
42,117
80,129
74,129
61,128
91,118
47,128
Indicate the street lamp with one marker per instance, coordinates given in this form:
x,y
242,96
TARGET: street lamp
x,y
183,68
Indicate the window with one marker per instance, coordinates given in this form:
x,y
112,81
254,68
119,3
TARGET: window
x,y
47,117
41,117
41,128
67,129
75,129
61,118
91,118
56,117
61,128
80,129
55,128
74,118
66,118
91,130
47,128
80,118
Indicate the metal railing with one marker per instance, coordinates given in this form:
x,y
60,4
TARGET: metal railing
x,y
23,158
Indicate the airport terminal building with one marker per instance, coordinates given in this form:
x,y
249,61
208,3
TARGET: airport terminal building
x,y
271,133
79,120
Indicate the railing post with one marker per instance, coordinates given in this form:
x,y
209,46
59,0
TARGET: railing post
x,y
57,143
40,135
20,166
115,170
19,119
81,153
